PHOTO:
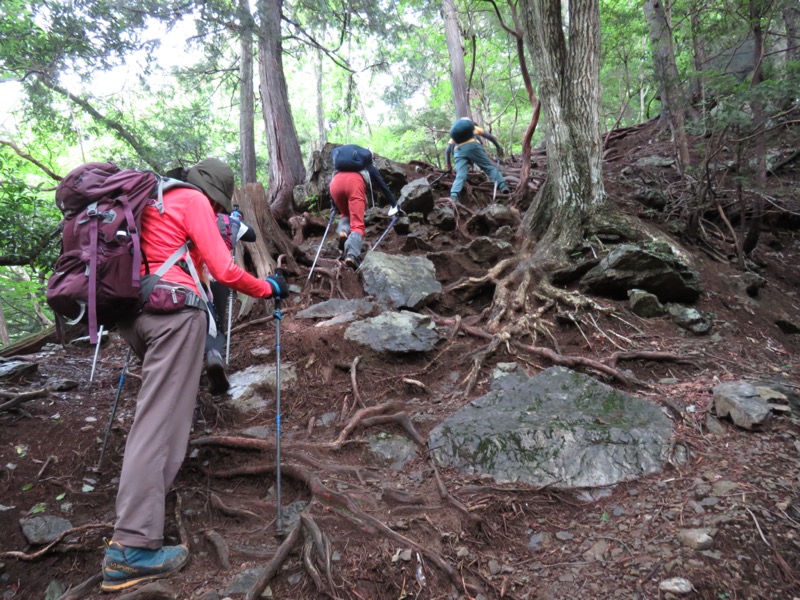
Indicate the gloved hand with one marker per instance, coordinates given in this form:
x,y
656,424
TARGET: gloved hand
x,y
236,215
280,289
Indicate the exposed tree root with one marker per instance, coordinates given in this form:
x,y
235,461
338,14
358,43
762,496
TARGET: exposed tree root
x,y
39,553
82,590
354,382
552,356
274,565
230,511
347,509
220,547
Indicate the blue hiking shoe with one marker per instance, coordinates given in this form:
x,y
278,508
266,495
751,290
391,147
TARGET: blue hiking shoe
x,y
125,566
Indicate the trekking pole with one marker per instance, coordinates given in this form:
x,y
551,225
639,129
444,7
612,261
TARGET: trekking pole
x,y
96,352
234,235
494,193
435,181
114,408
278,316
324,235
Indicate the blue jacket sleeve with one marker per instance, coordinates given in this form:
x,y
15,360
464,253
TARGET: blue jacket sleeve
x,y
375,177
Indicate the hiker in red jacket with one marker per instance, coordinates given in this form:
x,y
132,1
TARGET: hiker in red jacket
x,y
170,345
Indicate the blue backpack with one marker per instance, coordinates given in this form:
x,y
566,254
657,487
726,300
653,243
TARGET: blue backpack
x,y
462,131
351,157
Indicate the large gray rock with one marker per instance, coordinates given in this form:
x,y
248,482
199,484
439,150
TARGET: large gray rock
x,y
491,218
245,393
742,402
399,332
487,250
630,267
417,196
559,428
400,281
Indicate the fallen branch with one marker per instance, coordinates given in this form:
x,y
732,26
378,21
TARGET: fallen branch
x,y
648,355
17,399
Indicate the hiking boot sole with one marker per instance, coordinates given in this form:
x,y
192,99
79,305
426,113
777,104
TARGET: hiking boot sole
x,y
116,586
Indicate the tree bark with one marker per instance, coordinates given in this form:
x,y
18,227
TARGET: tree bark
x,y
247,137
322,134
4,339
568,68
455,48
272,241
286,169
673,103
791,20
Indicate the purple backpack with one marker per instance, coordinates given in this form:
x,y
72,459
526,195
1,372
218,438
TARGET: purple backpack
x,y
96,279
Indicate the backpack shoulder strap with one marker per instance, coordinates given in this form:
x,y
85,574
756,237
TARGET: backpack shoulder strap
x,y
164,185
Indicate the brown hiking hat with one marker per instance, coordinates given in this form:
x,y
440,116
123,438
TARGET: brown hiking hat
x,y
215,178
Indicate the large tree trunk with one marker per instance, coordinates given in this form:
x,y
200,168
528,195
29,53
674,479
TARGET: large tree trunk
x,y
272,241
455,48
673,103
568,72
286,169
247,138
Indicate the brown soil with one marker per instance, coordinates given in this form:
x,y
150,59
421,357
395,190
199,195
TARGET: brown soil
x,y
502,541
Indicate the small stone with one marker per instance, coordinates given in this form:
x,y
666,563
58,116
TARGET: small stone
x,y
676,585
494,567
564,536
462,552
699,539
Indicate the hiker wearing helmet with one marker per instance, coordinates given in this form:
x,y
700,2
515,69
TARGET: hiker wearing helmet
x,y
168,335
466,148
353,171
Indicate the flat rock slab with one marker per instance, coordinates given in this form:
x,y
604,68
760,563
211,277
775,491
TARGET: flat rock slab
x,y
630,267
14,369
559,428
400,281
399,332
334,307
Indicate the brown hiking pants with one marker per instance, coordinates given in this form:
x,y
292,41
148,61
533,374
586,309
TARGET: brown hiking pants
x,y
171,348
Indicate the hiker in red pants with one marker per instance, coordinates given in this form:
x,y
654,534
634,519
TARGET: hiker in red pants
x,y
354,170
169,338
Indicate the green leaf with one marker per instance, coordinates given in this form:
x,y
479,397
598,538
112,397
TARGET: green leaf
x,y
26,487
87,488
38,508
604,517
61,496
